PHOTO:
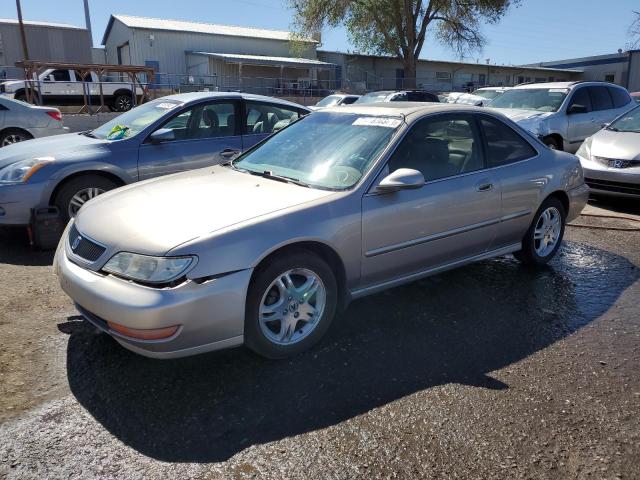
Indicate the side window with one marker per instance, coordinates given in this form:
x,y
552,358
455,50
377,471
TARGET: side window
x,y
619,96
268,118
581,97
179,124
399,97
349,100
60,75
503,144
600,98
216,120
80,78
440,147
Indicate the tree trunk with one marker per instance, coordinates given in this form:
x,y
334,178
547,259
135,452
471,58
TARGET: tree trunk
x,y
409,65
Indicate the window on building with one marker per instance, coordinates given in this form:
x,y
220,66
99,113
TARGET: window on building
x,y
443,76
440,147
610,77
520,79
600,98
503,144
265,118
540,79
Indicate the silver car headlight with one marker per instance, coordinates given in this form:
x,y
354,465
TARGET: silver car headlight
x,y
585,149
23,170
148,269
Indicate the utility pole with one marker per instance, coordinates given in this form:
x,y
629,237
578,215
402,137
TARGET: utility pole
x,y
25,50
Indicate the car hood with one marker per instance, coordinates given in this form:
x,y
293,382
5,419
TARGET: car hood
x,y
519,115
618,145
155,216
57,146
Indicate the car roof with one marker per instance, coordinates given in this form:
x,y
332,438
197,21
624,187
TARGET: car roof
x,y
198,96
566,84
402,109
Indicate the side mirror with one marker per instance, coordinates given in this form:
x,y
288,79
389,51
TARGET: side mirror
x,y
162,135
576,108
401,179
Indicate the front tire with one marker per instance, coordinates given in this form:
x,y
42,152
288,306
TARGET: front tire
x,y
544,236
290,305
552,143
13,135
77,191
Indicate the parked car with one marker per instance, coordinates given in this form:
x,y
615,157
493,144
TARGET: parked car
x,y
266,249
563,114
67,87
398,96
167,135
635,96
453,96
20,121
335,100
480,97
611,158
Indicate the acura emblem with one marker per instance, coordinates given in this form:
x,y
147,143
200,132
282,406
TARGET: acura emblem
x,y
76,242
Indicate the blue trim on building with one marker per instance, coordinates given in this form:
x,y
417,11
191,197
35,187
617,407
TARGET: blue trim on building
x,y
588,63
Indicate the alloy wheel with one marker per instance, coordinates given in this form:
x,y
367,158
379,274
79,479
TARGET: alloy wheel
x,y
81,197
547,231
13,138
292,306
123,104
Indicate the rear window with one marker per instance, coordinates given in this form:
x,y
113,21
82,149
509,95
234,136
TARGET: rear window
x,y
600,98
503,144
619,96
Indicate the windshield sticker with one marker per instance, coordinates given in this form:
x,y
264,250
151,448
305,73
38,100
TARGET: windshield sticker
x,y
377,122
558,90
167,105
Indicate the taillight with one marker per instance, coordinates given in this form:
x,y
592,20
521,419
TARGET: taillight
x,y
56,115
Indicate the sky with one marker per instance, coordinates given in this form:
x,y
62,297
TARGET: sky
x,y
538,30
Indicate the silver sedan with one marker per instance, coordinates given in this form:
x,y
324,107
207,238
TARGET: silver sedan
x,y
611,157
20,121
341,204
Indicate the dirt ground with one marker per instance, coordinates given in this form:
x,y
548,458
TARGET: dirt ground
x,y
489,371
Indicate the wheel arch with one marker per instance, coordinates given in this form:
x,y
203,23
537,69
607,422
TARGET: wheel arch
x,y
24,130
101,173
557,138
122,91
324,251
563,197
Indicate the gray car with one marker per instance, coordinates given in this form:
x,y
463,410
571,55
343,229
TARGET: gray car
x,y
20,121
344,203
167,135
611,157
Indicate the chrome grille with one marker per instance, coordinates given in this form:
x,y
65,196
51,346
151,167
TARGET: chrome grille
x,y
616,162
83,247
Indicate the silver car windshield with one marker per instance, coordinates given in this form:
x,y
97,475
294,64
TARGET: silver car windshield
x,y
629,122
131,123
539,99
373,97
489,94
323,150
328,101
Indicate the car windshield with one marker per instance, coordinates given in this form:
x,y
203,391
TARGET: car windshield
x,y
328,101
323,150
373,97
539,99
487,93
131,123
629,122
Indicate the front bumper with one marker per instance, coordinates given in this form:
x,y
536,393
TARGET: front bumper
x,y
17,200
210,314
613,181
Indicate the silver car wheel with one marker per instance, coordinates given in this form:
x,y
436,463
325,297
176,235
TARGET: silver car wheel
x,y
292,306
547,231
13,138
82,197
123,103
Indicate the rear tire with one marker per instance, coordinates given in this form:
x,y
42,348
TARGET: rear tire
x,y
13,135
544,236
75,192
122,103
299,320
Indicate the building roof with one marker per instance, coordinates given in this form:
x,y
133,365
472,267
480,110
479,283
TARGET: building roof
x,y
264,60
512,67
33,23
198,27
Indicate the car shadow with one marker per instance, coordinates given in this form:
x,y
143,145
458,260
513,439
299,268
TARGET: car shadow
x,y
456,327
15,249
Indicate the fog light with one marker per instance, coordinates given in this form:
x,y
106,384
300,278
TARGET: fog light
x,y
146,334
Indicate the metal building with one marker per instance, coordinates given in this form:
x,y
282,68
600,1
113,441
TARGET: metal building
x,y
214,56
56,42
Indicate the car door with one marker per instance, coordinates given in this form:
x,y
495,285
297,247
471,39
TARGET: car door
x,y
602,107
580,118
205,134
453,216
261,119
512,160
57,87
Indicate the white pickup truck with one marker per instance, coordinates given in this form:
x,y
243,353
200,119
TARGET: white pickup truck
x,y
67,87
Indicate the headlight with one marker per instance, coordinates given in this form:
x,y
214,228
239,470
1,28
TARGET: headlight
x,y
145,268
585,149
23,170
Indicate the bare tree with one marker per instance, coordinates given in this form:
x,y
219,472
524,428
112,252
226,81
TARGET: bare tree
x,y
634,32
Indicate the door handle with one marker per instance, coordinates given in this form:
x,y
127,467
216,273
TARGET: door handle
x,y
484,187
228,152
